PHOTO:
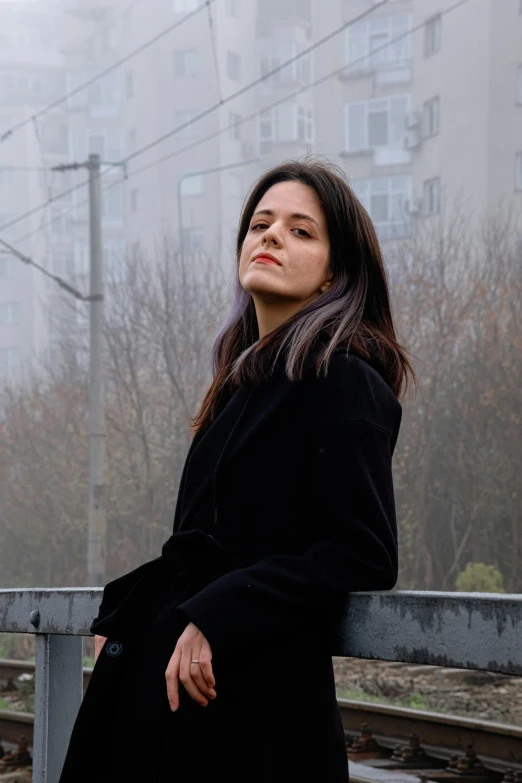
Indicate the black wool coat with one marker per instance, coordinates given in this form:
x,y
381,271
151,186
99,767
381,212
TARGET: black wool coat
x,y
298,512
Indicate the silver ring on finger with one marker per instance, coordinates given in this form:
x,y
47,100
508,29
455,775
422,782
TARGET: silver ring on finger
x,y
194,661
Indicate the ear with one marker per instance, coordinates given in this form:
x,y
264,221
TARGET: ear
x,y
325,285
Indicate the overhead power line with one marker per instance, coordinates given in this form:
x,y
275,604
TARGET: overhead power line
x,y
59,280
208,110
4,136
246,118
24,168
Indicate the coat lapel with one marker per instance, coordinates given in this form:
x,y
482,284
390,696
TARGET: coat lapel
x,y
261,402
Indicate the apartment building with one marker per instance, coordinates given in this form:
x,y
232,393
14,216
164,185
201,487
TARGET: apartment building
x,y
92,118
426,119
30,77
419,102
465,130
180,190
362,110
48,49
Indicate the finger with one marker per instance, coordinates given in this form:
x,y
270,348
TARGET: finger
x,y
205,661
171,675
202,674
187,679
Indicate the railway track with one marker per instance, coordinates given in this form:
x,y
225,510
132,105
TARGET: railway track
x,y
384,743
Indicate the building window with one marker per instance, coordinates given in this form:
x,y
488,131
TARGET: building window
x,y
103,94
300,70
233,8
376,123
519,84
432,196
185,118
371,38
518,180
81,257
184,6
112,203
9,361
234,122
286,122
129,84
432,35
305,125
192,239
192,186
7,267
432,117
234,66
385,199
107,143
266,131
10,313
59,225
132,140
134,200
114,258
186,62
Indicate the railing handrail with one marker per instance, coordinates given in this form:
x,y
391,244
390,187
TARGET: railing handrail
x,y
461,630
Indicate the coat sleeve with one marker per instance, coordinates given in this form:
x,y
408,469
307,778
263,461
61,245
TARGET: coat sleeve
x,y
352,499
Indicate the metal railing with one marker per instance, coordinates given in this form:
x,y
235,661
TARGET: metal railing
x,y
461,630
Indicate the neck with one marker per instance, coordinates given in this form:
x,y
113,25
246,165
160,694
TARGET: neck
x,y
270,316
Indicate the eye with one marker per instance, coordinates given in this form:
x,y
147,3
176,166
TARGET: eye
x,y
265,225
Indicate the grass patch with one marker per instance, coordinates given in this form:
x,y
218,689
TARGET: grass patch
x,y
5,705
416,701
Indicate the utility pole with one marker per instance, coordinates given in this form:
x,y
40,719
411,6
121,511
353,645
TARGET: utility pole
x,y
97,536
97,529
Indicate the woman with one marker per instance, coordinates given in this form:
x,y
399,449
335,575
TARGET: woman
x,y
215,658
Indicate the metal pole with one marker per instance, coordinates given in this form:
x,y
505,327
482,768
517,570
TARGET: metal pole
x,y
97,531
180,213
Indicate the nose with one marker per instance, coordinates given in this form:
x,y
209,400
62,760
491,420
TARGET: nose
x,y
271,235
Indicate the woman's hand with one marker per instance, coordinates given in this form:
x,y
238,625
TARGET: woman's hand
x,y
197,678
99,641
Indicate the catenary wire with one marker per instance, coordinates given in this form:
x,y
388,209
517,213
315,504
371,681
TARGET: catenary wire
x,y
8,133
316,82
209,110
322,79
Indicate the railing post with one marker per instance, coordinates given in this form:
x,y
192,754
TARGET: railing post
x,y
58,695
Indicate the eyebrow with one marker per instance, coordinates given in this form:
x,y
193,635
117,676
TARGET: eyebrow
x,y
297,215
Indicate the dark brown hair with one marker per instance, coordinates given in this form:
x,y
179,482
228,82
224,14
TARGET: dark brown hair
x,y
353,314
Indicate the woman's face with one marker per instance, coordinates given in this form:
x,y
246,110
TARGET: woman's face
x,y
288,223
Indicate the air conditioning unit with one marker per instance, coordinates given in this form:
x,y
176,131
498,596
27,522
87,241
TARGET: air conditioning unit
x,y
413,120
413,206
412,139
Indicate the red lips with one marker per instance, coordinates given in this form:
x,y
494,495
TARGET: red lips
x,y
266,258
